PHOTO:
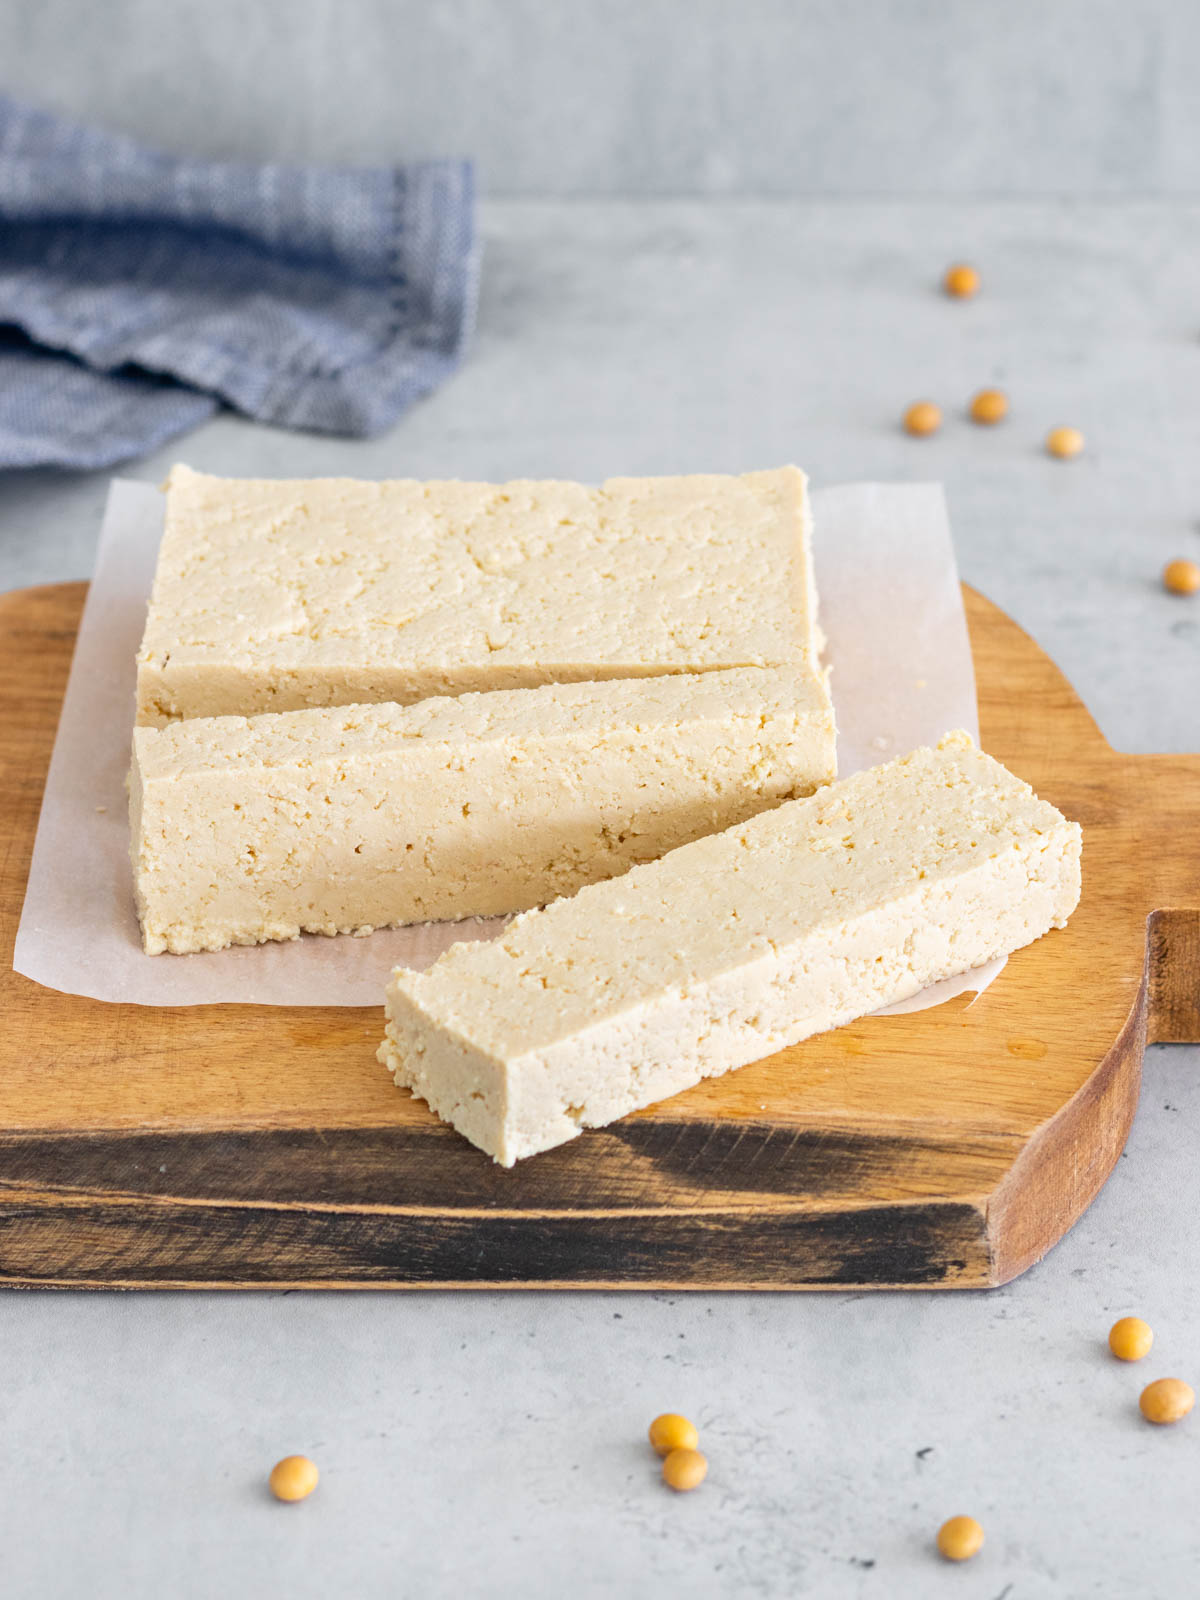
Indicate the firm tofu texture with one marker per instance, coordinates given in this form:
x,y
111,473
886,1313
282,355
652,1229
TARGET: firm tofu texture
x,y
346,819
276,596
730,948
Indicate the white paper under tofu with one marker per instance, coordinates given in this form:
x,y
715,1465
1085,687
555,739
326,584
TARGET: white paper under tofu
x,y
729,949
891,609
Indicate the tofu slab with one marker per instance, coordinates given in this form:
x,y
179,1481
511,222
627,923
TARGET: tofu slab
x,y
732,947
283,595
346,819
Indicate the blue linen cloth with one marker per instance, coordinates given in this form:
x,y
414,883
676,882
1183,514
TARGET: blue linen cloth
x,y
139,291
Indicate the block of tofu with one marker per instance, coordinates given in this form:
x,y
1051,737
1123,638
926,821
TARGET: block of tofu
x,y
802,919
344,819
277,596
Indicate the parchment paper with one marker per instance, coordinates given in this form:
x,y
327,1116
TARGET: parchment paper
x,y
902,677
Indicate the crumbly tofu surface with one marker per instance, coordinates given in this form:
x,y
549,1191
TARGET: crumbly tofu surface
x,y
732,947
282,595
345,819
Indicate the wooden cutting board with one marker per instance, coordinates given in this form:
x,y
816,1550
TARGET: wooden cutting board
x,y
241,1146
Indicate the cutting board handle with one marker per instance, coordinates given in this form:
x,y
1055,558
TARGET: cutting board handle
x,y
1163,794
1173,957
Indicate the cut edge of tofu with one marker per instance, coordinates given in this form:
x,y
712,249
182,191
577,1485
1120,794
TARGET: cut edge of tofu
x,y
567,784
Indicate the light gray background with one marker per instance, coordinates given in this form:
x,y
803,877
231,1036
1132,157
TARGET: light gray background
x,y
713,238
712,97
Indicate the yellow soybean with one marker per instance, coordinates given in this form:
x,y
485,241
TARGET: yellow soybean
x,y
293,1478
684,1470
960,1538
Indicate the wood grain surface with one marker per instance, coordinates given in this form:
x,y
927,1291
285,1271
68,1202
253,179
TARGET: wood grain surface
x,y
247,1146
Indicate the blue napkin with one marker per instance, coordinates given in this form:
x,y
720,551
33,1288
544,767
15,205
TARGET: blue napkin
x,y
139,291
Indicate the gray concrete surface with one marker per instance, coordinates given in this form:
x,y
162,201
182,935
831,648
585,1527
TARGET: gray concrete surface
x,y
708,97
492,1445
